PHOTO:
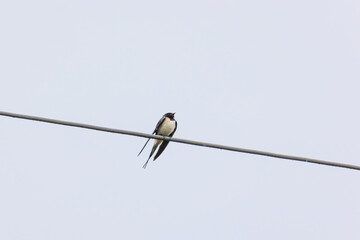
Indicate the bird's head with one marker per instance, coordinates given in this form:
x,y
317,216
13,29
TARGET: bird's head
x,y
170,115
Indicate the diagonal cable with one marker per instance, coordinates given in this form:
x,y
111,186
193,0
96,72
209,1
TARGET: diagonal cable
x,y
179,140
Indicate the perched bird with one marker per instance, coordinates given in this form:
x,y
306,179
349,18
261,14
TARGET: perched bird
x,y
165,127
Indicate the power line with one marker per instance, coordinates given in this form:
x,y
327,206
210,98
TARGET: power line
x,y
179,140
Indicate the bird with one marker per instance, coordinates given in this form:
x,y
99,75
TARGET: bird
x,y
165,127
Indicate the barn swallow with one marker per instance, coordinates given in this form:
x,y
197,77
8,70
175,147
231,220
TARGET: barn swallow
x,y
165,127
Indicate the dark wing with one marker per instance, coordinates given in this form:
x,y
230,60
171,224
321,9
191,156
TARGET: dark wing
x,y
161,149
172,134
164,144
158,125
155,131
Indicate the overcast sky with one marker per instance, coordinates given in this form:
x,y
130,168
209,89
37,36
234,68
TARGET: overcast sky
x,y
278,76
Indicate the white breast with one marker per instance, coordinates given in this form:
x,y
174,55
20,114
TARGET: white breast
x,y
166,128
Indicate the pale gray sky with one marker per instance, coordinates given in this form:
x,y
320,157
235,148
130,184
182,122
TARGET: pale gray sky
x,y
279,76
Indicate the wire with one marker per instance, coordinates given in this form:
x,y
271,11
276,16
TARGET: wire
x,y
179,140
